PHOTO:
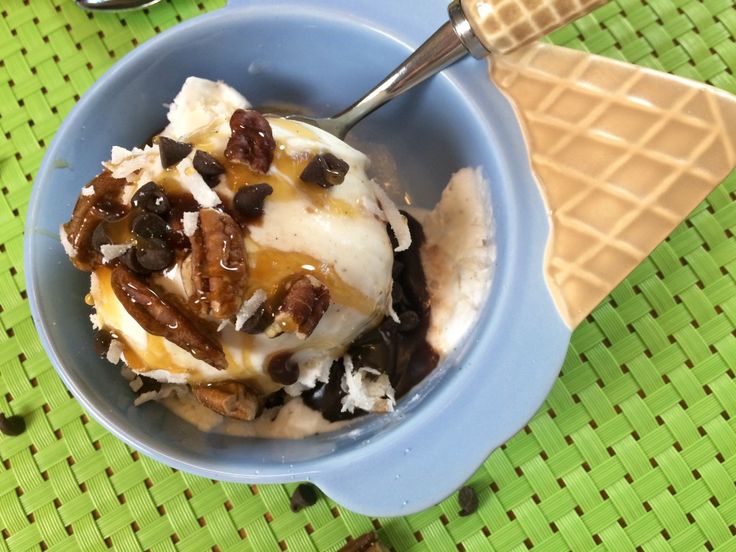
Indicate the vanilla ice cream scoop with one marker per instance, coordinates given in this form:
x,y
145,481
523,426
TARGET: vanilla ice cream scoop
x,y
280,269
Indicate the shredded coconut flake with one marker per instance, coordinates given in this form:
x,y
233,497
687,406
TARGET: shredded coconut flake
x,y
120,154
391,312
147,397
115,351
198,103
136,164
166,391
113,251
135,384
190,221
192,181
222,325
95,321
250,307
88,190
311,371
396,220
128,374
366,389
66,244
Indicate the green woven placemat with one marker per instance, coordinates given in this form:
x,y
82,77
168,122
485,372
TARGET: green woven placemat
x,y
635,448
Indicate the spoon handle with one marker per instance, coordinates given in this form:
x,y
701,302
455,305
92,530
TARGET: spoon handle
x,y
115,5
440,50
504,25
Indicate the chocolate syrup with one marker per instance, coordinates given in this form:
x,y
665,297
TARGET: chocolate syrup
x,y
397,349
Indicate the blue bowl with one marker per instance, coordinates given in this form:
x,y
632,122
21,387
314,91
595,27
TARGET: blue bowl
x,y
322,54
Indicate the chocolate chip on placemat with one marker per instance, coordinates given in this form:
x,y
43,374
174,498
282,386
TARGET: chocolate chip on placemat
x,y
249,200
282,369
468,500
304,495
151,197
208,167
15,425
171,151
325,170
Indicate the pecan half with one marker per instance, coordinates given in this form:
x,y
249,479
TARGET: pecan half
x,y
88,212
218,269
251,140
367,542
230,399
159,316
302,307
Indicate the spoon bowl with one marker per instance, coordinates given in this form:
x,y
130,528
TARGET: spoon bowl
x,y
115,5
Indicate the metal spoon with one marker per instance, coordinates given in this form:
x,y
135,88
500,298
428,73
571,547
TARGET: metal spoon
x,y
499,31
115,5
448,44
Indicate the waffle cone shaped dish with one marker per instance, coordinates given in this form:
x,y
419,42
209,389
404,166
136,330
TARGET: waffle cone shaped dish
x,y
622,155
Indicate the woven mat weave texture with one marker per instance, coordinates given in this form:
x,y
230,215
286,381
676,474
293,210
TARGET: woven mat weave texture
x,y
635,448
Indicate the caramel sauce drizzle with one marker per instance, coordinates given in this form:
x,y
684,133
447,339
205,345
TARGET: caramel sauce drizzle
x,y
283,176
284,179
268,268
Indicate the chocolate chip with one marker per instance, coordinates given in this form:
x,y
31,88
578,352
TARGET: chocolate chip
x,y
151,197
208,167
249,200
100,238
275,399
388,328
468,500
171,151
130,259
251,140
101,341
408,321
148,385
153,254
282,369
325,170
397,294
397,269
149,225
15,425
304,495
370,350
258,322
